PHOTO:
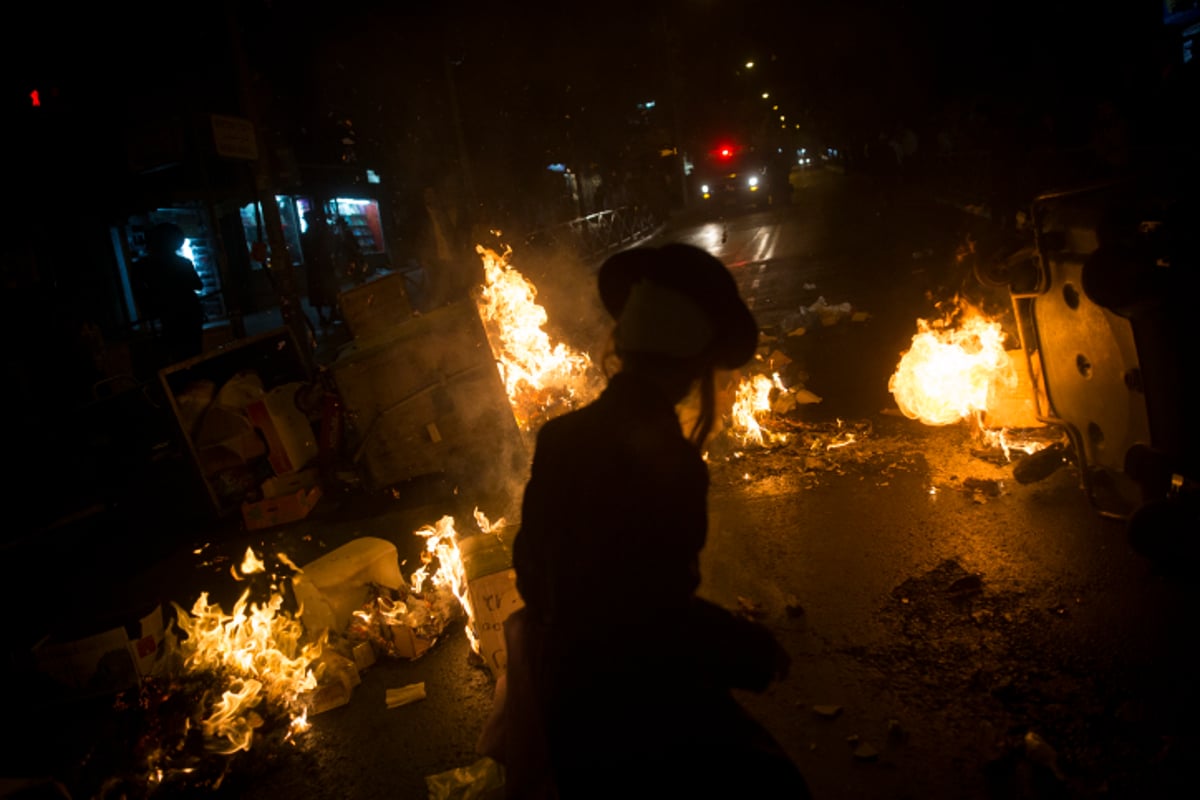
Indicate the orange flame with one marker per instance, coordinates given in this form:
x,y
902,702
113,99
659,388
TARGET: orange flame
x,y
260,653
538,374
751,402
953,364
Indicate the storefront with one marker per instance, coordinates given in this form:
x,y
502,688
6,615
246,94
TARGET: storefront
x,y
227,242
200,246
357,218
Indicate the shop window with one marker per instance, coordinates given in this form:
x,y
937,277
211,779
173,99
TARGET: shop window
x,y
362,218
255,228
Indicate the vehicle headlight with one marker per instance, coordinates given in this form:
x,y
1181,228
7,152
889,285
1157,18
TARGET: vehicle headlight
x,y
753,181
704,188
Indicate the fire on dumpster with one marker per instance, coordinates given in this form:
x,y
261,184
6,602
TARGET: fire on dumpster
x,y
958,369
540,376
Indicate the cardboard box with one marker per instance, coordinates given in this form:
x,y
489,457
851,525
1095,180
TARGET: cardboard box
x,y
280,485
407,644
375,307
492,590
493,598
104,663
280,510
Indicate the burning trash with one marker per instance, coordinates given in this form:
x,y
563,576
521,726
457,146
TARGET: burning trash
x,y
540,376
405,621
766,394
226,682
959,368
752,402
400,624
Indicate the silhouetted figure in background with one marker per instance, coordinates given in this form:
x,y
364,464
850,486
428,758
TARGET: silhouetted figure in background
x,y
165,284
624,668
317,244
779,176
348,258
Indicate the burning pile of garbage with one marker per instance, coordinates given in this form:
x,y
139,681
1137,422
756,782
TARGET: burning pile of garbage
x,y
293,646
762,408
221,683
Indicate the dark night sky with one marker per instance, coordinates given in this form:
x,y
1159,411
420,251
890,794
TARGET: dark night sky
x,y
825,50
529,74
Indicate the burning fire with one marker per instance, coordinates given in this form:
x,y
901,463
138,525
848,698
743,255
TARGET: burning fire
x,y
538,374
958,368
952,366
260,656
441,544
751,403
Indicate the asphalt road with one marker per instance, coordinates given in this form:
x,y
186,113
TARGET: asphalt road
x,y
954,634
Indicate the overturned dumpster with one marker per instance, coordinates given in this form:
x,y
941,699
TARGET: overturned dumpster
x,y
425,396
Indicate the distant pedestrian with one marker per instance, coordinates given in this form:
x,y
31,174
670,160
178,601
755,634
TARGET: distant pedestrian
x,y
165,287
320,268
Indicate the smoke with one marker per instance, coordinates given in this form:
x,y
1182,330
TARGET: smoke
x,y
566,289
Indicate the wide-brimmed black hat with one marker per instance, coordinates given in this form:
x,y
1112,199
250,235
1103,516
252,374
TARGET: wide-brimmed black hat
x,y
699,277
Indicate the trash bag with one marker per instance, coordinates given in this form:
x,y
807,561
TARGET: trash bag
x,y
482,780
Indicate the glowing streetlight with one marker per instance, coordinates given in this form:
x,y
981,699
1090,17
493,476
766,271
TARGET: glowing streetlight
x,y
749,65
766,95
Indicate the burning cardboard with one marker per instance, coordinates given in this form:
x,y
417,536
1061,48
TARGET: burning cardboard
x,y
492,587
336,676
397,623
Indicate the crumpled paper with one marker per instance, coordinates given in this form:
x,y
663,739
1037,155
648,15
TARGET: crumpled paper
x,y
482,780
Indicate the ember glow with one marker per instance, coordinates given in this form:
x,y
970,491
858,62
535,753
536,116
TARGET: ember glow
x,y
538,374
261,662
953,364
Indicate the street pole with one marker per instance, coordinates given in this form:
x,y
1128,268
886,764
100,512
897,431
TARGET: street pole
x,y
279,262
670,51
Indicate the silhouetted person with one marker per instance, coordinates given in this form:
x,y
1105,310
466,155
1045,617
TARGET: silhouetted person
x,y
623,668
318,246
165,285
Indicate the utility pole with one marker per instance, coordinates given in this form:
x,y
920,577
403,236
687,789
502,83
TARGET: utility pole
x,y
670,72
282,271
460,139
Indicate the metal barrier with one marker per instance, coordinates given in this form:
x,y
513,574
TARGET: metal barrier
x,y
596,235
